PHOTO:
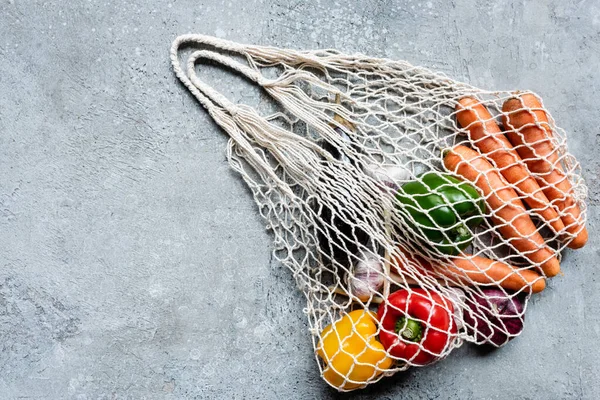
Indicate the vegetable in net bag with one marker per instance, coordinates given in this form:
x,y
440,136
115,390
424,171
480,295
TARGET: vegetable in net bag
x,y
414,211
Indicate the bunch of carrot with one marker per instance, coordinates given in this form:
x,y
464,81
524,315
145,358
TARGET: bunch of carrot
x,y
519,164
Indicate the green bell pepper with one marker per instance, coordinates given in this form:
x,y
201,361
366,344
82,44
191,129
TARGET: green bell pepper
x,y
444,208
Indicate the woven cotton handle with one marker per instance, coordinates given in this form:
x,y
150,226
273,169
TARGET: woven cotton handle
x,y
222,110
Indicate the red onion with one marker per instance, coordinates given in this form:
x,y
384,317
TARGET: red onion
x,y
494,318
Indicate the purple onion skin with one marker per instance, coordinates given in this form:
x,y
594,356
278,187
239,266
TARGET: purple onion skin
x,y
507,321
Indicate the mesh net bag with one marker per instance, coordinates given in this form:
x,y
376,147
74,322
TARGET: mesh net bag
x,y
415,212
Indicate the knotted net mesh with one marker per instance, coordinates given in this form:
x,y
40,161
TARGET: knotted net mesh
x,y
415,212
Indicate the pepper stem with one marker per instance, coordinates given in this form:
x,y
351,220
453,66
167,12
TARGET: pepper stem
x,y
409,329
462,230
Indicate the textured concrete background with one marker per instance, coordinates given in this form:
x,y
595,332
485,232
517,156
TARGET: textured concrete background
x,y
134,263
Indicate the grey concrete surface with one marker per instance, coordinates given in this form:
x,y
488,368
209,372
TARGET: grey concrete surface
x,y
133,261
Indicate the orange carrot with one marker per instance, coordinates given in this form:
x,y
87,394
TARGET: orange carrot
x,y
485,271
485,133
477,270
507,210
529,131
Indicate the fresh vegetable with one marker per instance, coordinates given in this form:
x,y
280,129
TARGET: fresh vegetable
x,y
337,237
351,352
494,318
476,270
388,176
528,129
367,277
444,209
485,133
486,272
508,211
417,325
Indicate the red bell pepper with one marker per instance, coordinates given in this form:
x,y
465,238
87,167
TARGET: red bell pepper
x,y
417,325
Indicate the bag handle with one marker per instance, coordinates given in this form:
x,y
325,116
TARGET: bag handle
x,y
242,123
222,110
205,94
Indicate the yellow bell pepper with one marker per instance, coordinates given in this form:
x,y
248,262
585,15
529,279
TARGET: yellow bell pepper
x,y
353,357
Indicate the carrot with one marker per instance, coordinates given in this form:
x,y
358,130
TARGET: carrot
x,y
485,133
508,211
485,271
474,270
529,131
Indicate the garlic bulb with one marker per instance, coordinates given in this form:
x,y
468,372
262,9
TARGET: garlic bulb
x,y
389,175
366,276
457,296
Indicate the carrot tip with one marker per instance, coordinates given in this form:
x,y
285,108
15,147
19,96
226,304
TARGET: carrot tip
x,y
580,240
551,267
538,286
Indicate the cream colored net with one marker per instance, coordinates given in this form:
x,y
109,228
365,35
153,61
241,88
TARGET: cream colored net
x,y
414,211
